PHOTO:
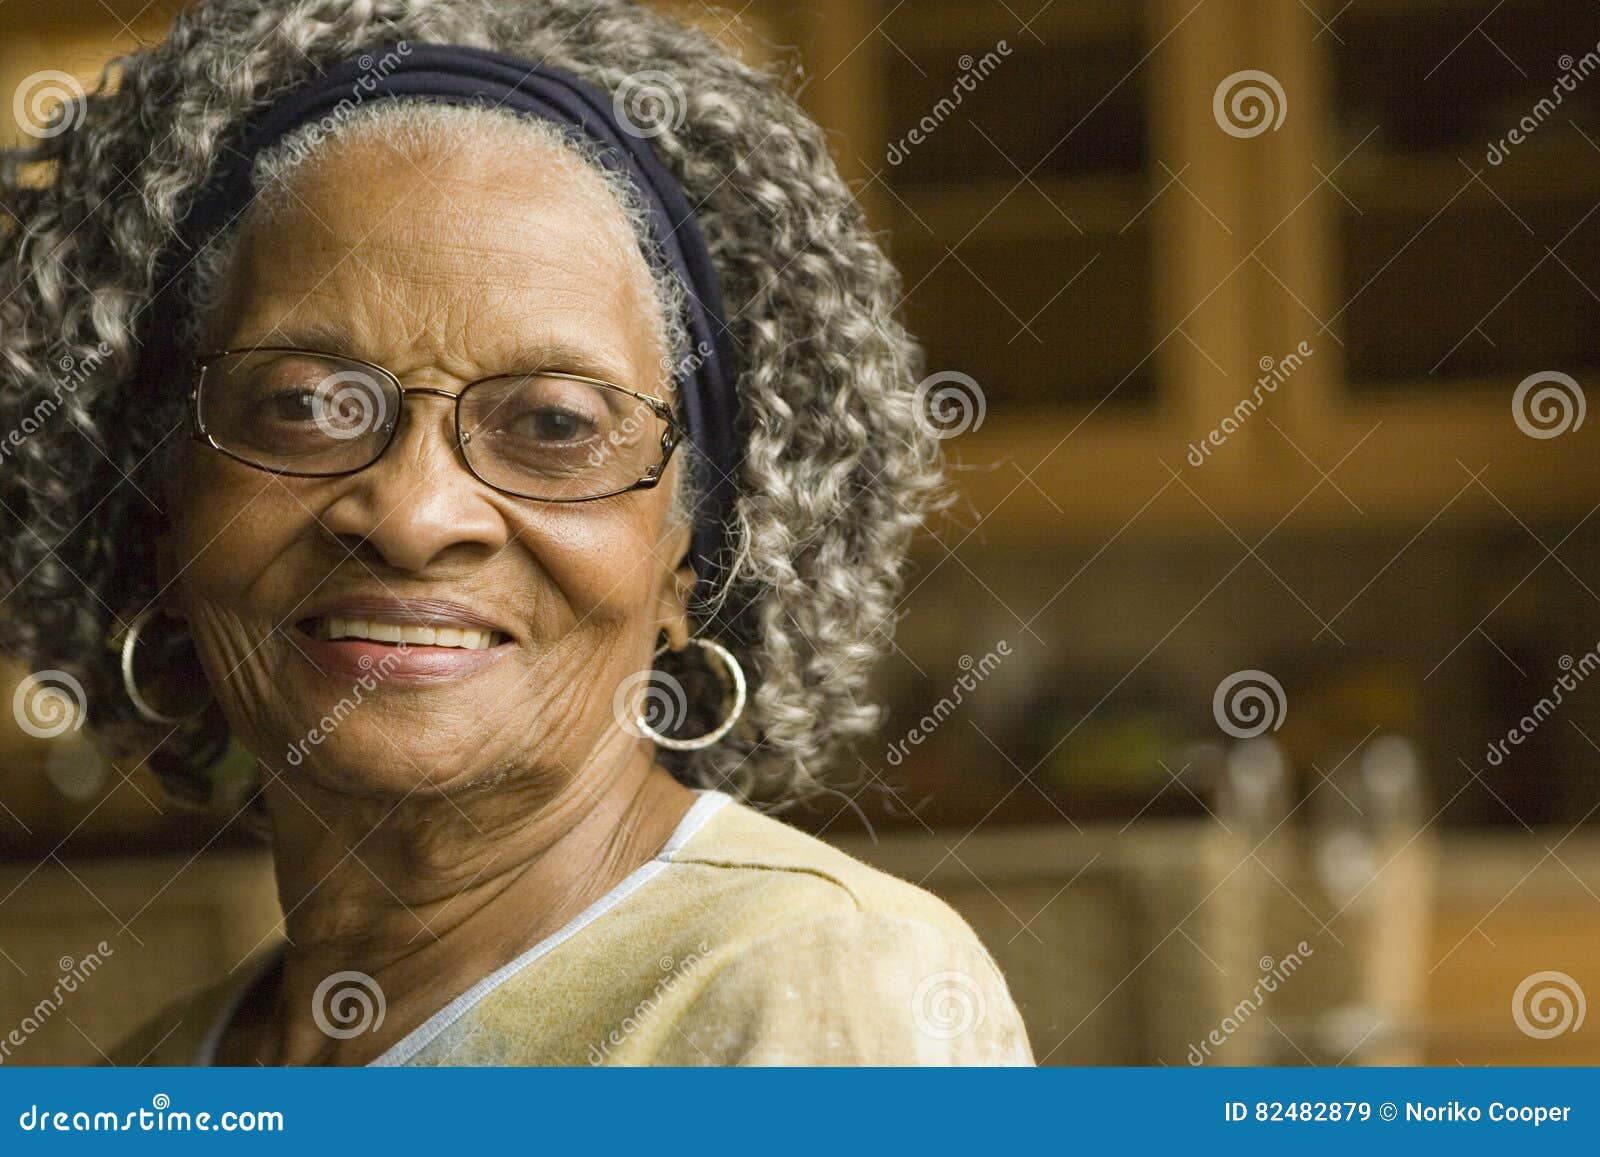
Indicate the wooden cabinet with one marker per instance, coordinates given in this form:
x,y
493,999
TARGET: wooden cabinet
x,y
1122,276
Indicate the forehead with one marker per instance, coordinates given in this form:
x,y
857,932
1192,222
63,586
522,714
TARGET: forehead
x,y
462,253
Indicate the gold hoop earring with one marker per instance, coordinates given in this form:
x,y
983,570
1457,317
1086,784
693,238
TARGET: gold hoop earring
x,y
736,684
130,683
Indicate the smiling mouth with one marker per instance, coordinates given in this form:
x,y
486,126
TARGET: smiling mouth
x,y
334,627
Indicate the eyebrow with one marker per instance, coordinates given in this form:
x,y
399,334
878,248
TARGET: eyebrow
x,y
522,357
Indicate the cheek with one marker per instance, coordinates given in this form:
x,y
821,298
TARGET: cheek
x,y
227,523
227,527
608,558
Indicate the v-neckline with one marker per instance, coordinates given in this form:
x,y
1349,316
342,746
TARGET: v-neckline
x,y
710,801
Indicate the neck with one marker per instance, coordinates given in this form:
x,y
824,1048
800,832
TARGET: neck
x,y
427,895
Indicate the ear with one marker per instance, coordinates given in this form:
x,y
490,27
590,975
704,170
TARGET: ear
x,y
675,588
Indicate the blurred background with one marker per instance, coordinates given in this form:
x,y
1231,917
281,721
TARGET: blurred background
x,y
1240,702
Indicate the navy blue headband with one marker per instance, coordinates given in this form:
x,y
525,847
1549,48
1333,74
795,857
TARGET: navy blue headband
x,y
452,74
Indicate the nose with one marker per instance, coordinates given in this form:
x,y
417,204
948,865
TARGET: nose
x,y
418,506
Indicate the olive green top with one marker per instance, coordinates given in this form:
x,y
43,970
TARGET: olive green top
x,y
744,941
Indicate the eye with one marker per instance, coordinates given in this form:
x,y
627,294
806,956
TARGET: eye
x,y
291,405
281,389
551,424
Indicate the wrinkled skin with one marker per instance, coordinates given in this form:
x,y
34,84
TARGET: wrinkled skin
x,y
481,812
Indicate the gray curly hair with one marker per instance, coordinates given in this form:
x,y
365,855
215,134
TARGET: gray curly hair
x,y
838,469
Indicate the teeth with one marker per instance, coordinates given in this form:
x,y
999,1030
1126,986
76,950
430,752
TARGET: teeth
x,y
467,638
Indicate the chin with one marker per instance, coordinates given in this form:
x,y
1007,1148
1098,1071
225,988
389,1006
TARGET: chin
x,y
377,765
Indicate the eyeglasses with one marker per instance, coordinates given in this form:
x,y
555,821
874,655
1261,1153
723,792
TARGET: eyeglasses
x,y
554,437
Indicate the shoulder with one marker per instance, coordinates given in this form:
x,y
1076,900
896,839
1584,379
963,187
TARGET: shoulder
x,y
770,865
853,989
831,962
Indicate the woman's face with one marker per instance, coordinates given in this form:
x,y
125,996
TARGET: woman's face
x,y
443,265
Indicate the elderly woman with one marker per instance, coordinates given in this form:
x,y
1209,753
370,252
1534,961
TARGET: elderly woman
x,y
488,420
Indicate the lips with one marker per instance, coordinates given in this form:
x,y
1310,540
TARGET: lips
x,y
401,640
